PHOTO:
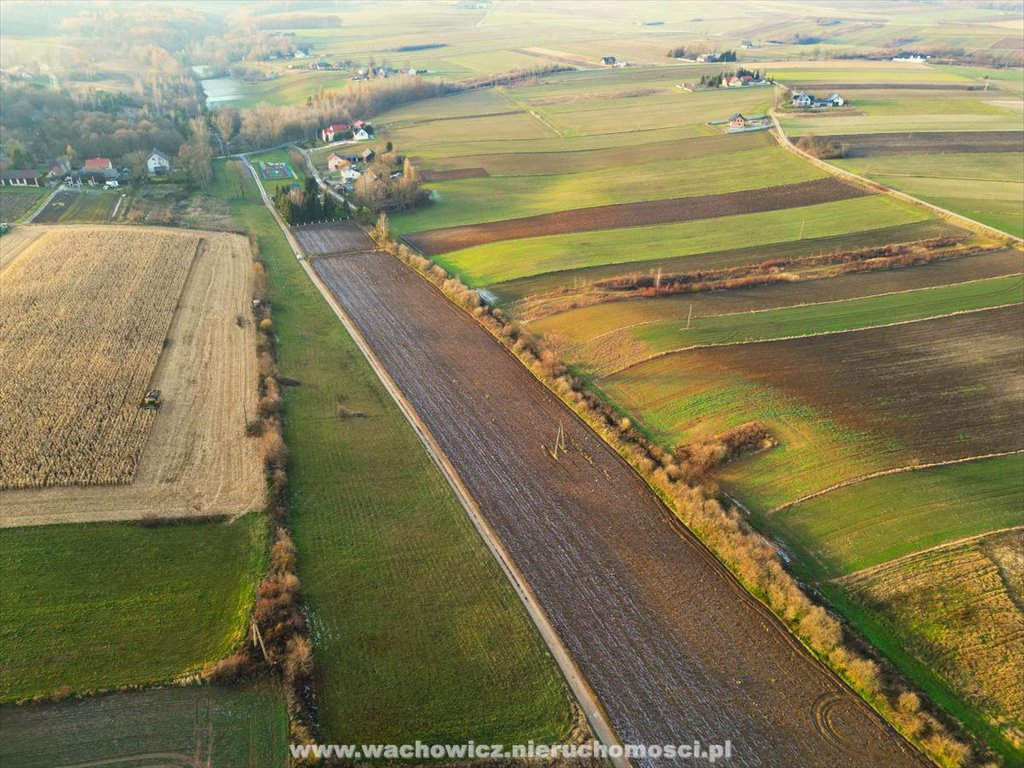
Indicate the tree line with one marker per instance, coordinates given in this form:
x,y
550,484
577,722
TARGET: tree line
x,y
303,205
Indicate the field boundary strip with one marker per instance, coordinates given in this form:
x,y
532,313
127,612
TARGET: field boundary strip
x,y
847,577
865,183
585,695
892,471
788,306
678,350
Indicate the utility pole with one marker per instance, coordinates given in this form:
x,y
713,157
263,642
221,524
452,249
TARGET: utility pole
x,y
256,636
689,317
802,223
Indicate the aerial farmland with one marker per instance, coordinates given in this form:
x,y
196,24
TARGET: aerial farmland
x,y
625,381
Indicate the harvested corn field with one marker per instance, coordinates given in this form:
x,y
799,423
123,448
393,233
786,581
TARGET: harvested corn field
x,y
16,241
191,458
84,318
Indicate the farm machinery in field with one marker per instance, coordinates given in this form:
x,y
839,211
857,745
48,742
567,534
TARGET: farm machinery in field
x,y
151,401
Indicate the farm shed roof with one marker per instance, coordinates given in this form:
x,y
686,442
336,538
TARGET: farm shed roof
x,y
98,164
9,175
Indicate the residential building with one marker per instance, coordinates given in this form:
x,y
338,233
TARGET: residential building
x,y
334,131
157,162
336,162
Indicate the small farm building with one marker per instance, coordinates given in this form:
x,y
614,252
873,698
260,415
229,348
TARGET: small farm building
x,y
361,135
19,178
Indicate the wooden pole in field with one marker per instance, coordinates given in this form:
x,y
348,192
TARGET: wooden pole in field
x,y
689,317
802,223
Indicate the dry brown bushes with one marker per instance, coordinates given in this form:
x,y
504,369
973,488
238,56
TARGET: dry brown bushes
x,y
83,321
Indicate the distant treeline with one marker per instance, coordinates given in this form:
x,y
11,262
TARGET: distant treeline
x,y
692,52
419,47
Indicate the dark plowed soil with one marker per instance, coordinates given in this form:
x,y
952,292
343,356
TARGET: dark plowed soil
x,y
674,648
944,388
331,239
454,174
437,241
871,144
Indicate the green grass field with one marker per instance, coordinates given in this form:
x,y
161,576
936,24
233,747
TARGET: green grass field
x,y
581,324
684,398
877,520
234,727
513,259
986,187
96,606
521,288
517,196
417,633
642,341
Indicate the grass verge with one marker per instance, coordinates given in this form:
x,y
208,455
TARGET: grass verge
x,y
416,631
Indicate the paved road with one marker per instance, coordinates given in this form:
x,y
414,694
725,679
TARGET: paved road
x,y
673,647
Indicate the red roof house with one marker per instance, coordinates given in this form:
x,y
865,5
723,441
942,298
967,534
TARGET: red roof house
x,y
98,164
335,129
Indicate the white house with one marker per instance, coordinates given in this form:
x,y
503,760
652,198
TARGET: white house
x,y
157,162
802,99
836,100
350,174
361,135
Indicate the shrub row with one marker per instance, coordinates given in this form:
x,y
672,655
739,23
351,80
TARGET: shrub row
x,y
279,643
678,478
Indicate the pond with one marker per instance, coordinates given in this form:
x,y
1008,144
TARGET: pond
x,y
219,89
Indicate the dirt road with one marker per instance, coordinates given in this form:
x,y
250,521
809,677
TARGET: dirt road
x,y
674,648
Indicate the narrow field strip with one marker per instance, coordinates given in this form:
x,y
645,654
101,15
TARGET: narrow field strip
x,y
917,142
437,241
513,259
893,471
457,203
667,337
523,290
579,161
937,548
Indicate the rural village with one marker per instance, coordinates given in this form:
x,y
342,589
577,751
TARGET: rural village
x,y
624,384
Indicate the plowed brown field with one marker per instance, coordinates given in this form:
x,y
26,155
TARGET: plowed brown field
x,y
674,648
323,239
438,241
196,460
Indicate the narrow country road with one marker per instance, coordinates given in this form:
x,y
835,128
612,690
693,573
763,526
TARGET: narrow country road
x,y
674,648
